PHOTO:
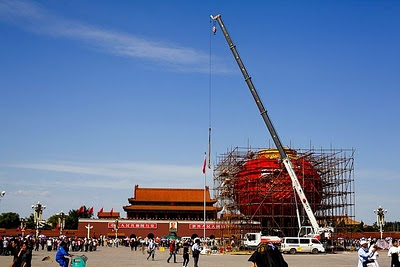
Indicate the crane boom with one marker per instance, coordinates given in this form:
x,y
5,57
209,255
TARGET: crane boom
x,y
284,157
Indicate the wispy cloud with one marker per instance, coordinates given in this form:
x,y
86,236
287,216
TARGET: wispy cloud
x,y
34,193
109,175
34,18
123,170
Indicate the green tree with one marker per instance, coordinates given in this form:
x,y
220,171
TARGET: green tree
x,y
371,228
392,227
9,220
53,221
30,224
71,221
359,227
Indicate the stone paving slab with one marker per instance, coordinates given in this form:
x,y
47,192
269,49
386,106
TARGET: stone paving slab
x,y
122,256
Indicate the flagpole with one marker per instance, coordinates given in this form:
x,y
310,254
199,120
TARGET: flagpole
x,y
204,231
204,208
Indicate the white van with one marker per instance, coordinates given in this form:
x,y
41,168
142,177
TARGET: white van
x,y
293,245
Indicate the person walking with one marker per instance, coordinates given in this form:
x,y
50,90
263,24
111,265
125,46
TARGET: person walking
x,y
394,253
143,245
172,251
185,254
364,254
196,252
151,249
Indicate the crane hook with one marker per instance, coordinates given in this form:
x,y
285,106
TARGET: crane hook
x,y
214,30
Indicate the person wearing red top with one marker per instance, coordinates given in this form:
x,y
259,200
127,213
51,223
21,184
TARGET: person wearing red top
x,y
172,251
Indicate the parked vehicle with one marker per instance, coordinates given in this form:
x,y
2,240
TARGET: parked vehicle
x,y
293,245
253,239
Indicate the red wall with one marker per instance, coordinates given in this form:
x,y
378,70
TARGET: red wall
x,y
142,228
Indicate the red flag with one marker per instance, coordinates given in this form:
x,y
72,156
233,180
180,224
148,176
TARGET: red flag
x,y
111,212
101,210
204,164
81,210
90,210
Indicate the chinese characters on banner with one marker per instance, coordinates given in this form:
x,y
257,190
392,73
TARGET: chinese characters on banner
x,y
208,226
133,225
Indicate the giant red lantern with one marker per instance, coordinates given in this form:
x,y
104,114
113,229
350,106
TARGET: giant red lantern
x,y
263,186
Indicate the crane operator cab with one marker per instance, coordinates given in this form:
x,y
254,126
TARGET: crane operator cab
x,y
308,231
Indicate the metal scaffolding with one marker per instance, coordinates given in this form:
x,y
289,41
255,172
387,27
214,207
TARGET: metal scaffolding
x,y
265,195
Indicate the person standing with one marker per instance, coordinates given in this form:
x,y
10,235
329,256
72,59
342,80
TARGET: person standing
x,y
151,249
185,254
172,251
143,245
49,243
375,254
394,253
132,243
196,252
16,252
135,244
37,243
364,254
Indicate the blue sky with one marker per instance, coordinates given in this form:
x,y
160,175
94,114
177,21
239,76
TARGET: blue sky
x,y
98,96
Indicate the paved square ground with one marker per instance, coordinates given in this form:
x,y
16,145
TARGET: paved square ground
x,y
122,256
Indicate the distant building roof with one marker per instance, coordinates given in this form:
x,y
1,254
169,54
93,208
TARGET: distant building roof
x,y
108,214
170,195
346,220
168,208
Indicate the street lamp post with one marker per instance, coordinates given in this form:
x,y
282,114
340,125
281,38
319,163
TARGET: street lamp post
x,y
23,226
37,215
380,219
2,194
116,231
88,227
61,221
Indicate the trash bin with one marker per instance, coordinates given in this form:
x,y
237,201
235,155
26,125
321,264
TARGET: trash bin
x,y
79,261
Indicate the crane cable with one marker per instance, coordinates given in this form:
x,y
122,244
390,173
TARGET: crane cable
x,y
213,30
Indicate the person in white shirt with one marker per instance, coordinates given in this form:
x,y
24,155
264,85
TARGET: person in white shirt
x,y
196,252
394,253
375,255
151,249
364,254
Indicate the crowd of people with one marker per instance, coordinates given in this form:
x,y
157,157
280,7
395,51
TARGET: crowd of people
x,y
21,249
368,252
188,246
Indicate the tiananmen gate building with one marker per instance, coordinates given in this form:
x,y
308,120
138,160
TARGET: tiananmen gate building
x,y
158,211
